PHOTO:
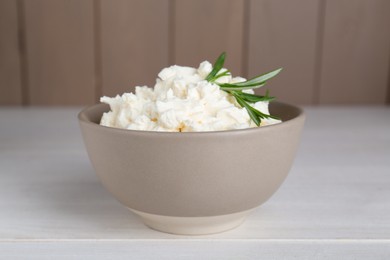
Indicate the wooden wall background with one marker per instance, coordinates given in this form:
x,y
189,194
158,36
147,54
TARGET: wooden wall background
x,y
70,52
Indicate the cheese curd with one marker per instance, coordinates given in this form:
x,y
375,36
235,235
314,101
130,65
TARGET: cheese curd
x,y
181,101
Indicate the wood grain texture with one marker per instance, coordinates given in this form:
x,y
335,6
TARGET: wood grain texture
x,y
283,34
134,38
356,51
10,75
338,188
195,249
333,205
204,29
75,52
60,52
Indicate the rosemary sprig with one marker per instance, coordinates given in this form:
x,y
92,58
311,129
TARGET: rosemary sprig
x,y
236,89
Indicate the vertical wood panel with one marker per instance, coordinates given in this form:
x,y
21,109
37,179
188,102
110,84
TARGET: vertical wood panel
x,y
10,76
134,43
283,34
60,52
356,52
205,28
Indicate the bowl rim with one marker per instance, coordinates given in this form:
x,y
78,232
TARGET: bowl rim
x,y
84,120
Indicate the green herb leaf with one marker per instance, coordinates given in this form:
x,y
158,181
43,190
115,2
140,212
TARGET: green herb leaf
x,y
255,98
220,75
258,80
252,114
218,65
262,115
229,86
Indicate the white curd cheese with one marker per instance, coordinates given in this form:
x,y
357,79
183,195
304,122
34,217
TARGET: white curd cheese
x,y
181,101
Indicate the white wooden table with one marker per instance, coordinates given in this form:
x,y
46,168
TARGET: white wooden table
x,y
335,204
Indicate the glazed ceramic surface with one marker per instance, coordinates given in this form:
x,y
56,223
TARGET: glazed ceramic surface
x,y
197,174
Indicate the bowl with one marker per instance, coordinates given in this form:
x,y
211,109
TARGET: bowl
x,y
192,183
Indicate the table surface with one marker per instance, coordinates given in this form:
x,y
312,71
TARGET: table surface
x,y
335,203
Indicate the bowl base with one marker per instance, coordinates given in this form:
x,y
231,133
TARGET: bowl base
x,y
192,225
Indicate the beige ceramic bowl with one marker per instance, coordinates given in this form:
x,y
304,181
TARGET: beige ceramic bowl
x,y
192,183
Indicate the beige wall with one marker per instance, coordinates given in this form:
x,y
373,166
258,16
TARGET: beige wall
x,y
70,52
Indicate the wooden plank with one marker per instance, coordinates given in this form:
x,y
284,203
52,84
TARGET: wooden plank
x,y
338,188
134,43
191,248
283,34
204,29
356,52
10,75
60,52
